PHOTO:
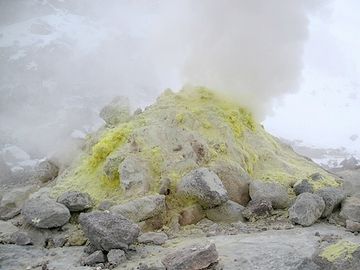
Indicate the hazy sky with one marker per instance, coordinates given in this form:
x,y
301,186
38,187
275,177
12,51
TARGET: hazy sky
x,y
60,61
327,106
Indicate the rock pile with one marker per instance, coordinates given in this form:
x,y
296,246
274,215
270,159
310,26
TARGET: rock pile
x,y
173,167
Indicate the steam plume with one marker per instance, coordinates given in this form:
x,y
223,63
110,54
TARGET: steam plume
x,y
61,61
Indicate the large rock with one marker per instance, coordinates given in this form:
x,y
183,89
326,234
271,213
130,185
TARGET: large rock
x,y
141,209
303,186
235,180
75,201
94,258
204,186
45,171
107,231
117,111
332,198
273,192
134,174
191,215
227,212
77,238
257,208
307,209
352,226
193,257
45,213
350,208
116,257
21,239
7,229
12,202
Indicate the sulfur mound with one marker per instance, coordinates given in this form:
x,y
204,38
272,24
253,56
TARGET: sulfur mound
x,y
182,132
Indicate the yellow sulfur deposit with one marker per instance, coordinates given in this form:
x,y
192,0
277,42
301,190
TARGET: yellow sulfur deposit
x,y
342,249
183,131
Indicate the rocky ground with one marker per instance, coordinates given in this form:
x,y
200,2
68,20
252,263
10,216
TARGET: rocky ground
x,y
192,190
273,239
272,249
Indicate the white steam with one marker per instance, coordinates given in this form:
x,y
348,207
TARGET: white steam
x,y
61,61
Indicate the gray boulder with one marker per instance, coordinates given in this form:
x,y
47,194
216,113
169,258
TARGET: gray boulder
x,y
303,186
21,239
227,212
134,174
352,226
193,257
235,180
350,208
45,171
7,229
12,202
257,208
107,231
191,215
116,112
307,209
141,209
116,257
94,258
75,201
332,198
153,238
45,213
273,192
204,186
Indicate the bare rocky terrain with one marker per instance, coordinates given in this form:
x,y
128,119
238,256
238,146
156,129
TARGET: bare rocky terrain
x,y
201,197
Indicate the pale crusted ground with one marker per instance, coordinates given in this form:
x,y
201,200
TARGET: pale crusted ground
x,y
273,249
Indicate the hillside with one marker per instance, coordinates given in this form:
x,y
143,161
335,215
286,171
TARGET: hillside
x,y
180,132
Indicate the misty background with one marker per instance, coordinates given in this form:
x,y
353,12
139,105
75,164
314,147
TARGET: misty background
x,y
294,64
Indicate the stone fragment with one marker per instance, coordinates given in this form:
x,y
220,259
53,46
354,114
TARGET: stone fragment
x,y
21,239
194,257
235,180
257,208
45,171
45,213
116,257
191,215
303,186
95,258
141,209
332,198
204,186
273,192
227,212
307,209
107,231
75,201
350,208
352,226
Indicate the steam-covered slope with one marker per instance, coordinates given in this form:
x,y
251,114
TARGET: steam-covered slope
x,y
182,131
